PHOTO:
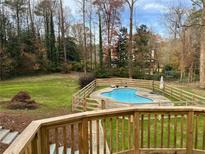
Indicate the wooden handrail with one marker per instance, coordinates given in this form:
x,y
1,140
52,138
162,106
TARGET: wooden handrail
x,y
30,132
84,88
82,94
24,139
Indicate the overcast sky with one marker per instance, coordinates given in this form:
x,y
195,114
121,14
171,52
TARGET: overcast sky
x,y
149,12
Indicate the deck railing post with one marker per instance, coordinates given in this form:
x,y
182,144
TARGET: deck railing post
x,y
136,122
44,141
34,144
190,118
84,138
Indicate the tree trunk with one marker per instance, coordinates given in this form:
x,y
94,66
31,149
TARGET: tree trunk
x,y
130,41
91,48
202,52
31,19
100,42
182,59
191,72
63,31
18,20
85,40
95,54
109,45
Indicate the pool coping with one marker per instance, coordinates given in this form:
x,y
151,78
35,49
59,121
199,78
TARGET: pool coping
x,y
142,92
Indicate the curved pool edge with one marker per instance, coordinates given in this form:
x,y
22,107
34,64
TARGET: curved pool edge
x,y
142,92
133,99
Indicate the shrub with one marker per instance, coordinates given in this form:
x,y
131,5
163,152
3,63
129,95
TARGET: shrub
x,y
120,72
77,67
137,73
66,68
85,80
102,73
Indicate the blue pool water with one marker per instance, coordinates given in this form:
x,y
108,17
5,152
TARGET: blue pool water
x,y
126,95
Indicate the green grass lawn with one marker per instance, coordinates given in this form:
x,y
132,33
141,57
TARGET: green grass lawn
x,y
179,133
52,92
191,88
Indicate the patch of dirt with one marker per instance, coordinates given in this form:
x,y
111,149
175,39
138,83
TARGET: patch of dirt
x,y
14,122
19,121
3,147
22,100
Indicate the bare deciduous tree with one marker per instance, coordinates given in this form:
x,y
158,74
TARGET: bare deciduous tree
x,y
63,30
131,4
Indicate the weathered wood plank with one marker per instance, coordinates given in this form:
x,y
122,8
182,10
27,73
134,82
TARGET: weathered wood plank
x,y
136,123
190,133
155,130
162,130
142,131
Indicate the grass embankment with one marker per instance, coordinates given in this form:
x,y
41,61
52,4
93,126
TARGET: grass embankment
x,y
52,92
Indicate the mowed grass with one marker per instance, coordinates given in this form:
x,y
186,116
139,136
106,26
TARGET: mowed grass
x,y
52,92
193,88
178,126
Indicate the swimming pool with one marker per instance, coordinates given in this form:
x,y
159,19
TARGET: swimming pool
x,y
126,95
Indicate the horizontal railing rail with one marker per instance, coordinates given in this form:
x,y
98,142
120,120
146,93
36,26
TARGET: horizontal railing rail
x,y
177,93
133,129
78,97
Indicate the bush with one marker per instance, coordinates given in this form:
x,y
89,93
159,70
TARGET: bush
x,y
85,80
66,68
137,73
102,73
120,72
77,67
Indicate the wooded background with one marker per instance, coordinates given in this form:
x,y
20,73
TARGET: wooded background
x,y
44,36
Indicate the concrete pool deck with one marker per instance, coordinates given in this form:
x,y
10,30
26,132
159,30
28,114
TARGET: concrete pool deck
x,y
158,100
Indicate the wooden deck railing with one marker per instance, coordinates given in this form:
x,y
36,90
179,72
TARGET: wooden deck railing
x,y
131,130
79,97
128,130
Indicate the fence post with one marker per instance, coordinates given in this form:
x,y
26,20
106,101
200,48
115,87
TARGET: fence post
x,y
102,104
164,89
136,123
193,98
152,85
190,118
73,103
181,94
84,105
